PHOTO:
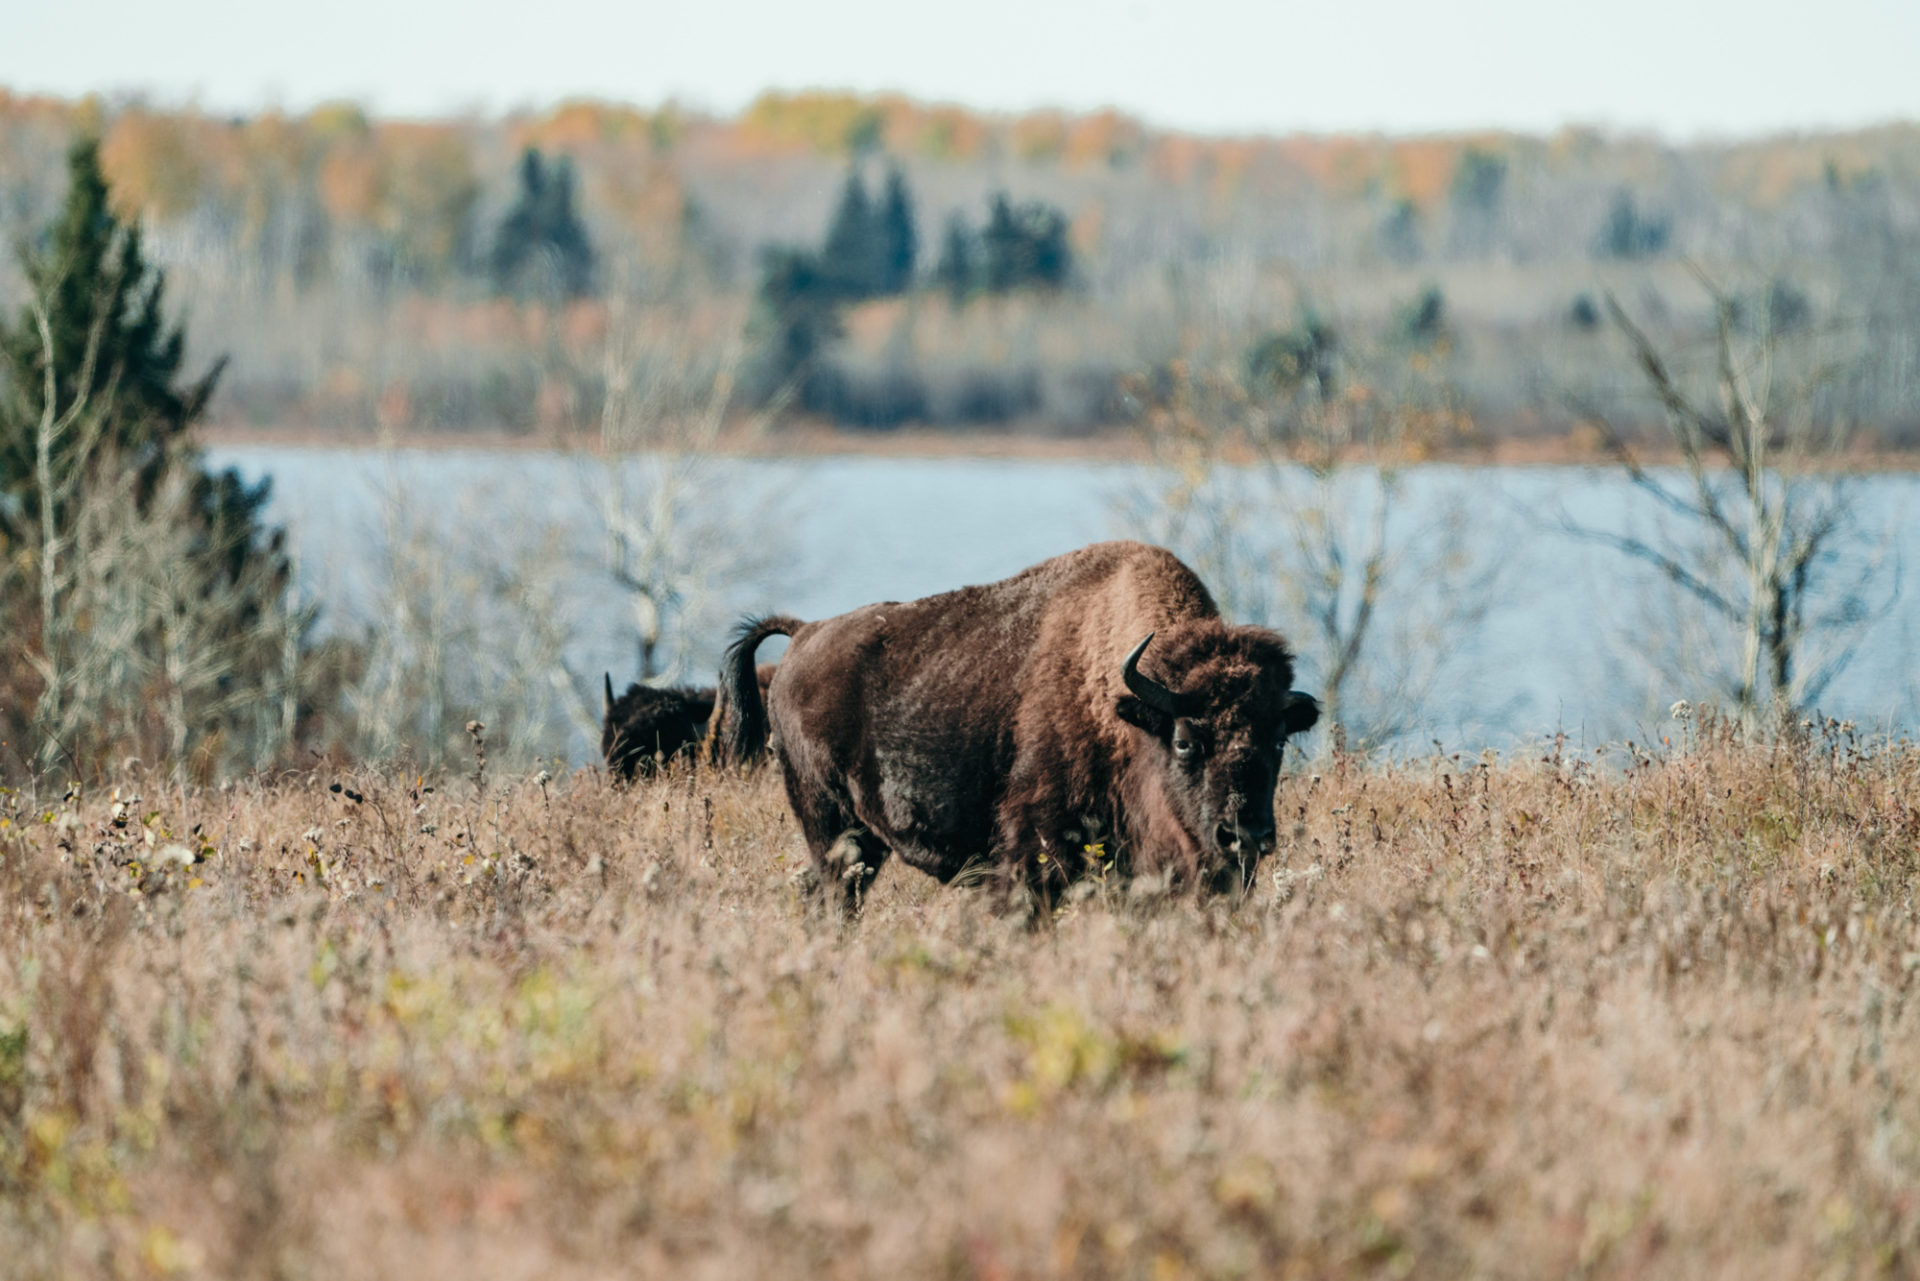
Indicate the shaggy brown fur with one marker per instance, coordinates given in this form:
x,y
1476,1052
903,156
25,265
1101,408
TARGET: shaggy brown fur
x,y
994,726
645,726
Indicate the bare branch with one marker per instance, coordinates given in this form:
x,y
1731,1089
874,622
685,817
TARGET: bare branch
x,y
1667,564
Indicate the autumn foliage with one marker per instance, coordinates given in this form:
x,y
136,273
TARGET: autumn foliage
x,y
314,236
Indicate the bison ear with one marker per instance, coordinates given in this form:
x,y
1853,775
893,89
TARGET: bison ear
x,y
1145,715
1301,713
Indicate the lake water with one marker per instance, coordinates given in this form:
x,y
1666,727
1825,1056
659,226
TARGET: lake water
x,y
1573,636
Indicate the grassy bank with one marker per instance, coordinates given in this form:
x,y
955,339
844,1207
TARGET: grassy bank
x,y
1539,1017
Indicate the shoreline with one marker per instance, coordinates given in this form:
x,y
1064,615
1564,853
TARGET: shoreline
x,y
786,442
817,441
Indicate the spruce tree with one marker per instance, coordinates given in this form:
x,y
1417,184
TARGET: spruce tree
x,y
899,243
542,247
518,238
140,532
1049,258
847,259
1026,247
1005,248
958,269
797,319
565,234
112,349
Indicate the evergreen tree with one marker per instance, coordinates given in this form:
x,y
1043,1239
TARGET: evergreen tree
x,y
542,246
1480,182
798,318
566,234
112,353
848,259
1302,358
1049,257
1026,247
1478,197
958,269
1423,324
1400,233
1628,233
113,356
1005,248
157,565
899,244
515,243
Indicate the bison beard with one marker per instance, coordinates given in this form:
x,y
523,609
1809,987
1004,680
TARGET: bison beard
x,y
1092,711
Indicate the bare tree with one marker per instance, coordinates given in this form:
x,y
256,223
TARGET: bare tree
x,y
470,617
670,539
58,486
1287,488
1756,526
480,608
149,639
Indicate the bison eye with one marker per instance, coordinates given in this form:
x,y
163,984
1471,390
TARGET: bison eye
x,y
1184,746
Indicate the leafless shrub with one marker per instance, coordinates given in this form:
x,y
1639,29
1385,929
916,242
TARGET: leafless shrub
x,y
479,605
1775,579
154,648
671,539
156,634
1284,487
469,617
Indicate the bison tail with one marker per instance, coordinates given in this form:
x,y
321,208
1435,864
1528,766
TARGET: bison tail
x,y
743,735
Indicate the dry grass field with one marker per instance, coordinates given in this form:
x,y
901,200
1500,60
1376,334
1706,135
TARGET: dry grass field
x,y
1547,1016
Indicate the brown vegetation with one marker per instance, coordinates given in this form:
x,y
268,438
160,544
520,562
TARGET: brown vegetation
x,y
1560,1015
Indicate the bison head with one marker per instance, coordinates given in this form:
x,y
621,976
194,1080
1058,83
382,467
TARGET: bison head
x,y
1219,722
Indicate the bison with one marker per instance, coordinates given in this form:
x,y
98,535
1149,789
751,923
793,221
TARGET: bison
x,y
646,726
1093,711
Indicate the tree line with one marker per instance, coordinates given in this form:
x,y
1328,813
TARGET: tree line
x,y
337,220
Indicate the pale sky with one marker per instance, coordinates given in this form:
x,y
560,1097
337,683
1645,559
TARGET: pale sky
x,y
1685,68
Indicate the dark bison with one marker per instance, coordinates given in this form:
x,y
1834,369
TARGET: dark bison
x,y
646,726
1093,710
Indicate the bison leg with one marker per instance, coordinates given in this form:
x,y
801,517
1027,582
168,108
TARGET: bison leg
x,y
1034,867
1045,841
852,863
846,856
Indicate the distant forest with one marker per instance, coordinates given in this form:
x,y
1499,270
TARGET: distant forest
x,y
877,263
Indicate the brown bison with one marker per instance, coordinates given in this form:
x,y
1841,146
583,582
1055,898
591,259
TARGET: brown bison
x,y
647,726
1016,726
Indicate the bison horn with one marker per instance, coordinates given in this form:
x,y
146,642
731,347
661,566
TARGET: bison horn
x,y
606,703
1145,688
